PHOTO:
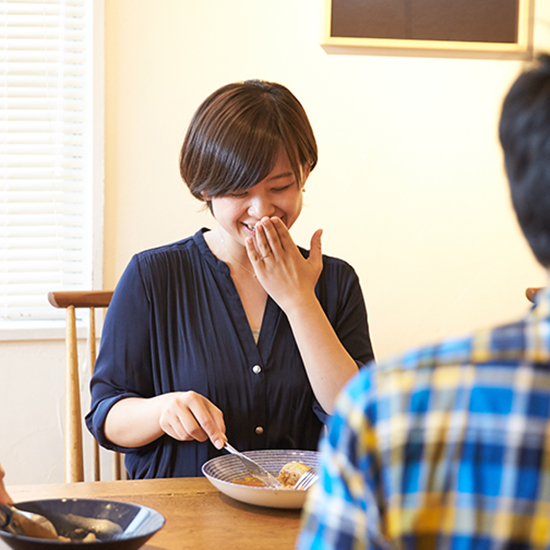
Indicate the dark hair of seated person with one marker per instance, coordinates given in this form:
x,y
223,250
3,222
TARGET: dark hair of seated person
x,y
524,133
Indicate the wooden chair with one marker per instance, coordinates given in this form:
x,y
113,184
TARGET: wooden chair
x,y
531,292
74,455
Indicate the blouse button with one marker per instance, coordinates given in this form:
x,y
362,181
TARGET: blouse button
x,y
259,430
256,369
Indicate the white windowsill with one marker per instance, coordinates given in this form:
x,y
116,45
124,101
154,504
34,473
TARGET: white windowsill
x,y
32,331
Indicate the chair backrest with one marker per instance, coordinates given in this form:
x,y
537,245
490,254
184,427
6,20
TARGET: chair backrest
x,y
74,454
531,292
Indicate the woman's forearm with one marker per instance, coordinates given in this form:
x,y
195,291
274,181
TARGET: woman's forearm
x,y
328,365
134,421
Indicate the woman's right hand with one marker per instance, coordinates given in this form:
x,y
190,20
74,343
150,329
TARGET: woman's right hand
x,y
188,415
4,497
185,416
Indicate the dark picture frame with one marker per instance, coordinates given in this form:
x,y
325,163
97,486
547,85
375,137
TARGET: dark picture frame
x,y
501,28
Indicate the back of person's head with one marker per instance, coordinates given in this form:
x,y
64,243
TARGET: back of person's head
x,y
237,134
525,139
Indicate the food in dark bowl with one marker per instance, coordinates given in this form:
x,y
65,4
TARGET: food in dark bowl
x,y
80,522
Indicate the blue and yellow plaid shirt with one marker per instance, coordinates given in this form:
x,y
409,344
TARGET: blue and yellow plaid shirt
x,y
446,447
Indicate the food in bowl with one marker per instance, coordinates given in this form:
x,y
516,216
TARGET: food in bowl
x,y
88,537
114,524
223,471
289,474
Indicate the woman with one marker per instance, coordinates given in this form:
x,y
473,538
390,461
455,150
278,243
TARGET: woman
x,y
234,333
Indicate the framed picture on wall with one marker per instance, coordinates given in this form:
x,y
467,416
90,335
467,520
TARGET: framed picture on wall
x,y
501,28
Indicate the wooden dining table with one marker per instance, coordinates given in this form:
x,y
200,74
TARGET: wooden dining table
x,y
197,515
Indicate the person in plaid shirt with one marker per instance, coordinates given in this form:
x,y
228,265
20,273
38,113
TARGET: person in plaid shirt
x,y
448,446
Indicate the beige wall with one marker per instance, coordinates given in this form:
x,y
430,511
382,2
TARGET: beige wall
x,y
409,188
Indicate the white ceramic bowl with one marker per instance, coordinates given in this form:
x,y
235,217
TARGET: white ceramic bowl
x,y
223,470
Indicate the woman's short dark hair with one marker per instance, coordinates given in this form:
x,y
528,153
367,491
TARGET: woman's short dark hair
x,y
525,138
236,135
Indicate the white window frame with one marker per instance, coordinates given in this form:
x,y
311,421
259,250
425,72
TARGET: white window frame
x,y
55,329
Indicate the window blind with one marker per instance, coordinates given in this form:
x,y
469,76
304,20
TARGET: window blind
x,y
45,154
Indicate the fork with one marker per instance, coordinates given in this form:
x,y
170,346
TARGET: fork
x,y
254,469
306,480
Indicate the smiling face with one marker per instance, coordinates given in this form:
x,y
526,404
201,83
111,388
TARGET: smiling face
x,y
279,194
235,136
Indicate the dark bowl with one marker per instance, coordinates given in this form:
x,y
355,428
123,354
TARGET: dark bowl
x,y
117,525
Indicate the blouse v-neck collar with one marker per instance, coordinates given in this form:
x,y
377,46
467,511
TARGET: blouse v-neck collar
x,y
207,254
272,312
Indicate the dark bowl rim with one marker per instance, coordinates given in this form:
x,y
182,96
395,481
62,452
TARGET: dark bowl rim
x,y
70,544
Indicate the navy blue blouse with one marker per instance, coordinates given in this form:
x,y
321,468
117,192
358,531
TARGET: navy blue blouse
x,y
176,323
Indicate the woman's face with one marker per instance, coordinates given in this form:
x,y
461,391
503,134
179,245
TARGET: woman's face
x,y
279,194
